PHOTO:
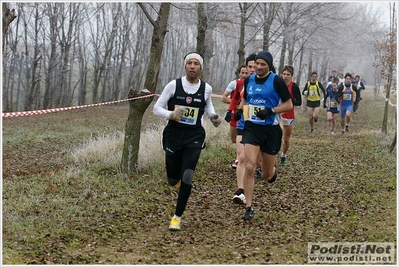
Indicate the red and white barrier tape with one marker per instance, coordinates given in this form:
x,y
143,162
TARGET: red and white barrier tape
x,y
44,111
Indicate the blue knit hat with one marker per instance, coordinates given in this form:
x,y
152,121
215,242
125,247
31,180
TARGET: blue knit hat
x,y
266,56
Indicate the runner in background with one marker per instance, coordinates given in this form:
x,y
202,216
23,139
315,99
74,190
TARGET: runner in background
x,y
234,87
347,93
287,118
360,86
239,196
312,91
332,105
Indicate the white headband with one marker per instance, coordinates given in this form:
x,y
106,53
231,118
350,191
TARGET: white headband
x,y
195,56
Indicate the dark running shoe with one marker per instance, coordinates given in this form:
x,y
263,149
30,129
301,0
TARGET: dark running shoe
x,y
274,177
347,128
283,161
249,214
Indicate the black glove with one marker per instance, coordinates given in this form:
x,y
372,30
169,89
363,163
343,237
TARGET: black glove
x,y
227,117
324,106
237,114
264,113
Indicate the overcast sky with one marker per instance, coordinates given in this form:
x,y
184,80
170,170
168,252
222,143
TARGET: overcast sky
x,y
384,9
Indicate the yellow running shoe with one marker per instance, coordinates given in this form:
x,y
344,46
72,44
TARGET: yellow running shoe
x,y
174,224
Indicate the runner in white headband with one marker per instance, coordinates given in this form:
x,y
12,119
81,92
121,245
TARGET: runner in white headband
x,y
196,56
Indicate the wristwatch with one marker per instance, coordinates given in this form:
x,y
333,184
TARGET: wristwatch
x,y
273,110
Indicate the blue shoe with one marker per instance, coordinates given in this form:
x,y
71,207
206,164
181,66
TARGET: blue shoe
x,y
249,214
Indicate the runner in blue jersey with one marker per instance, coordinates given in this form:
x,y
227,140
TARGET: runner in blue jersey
x,y
266,96
347,92
332,105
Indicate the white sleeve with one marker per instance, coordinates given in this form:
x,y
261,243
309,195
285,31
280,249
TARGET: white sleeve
x,y
160,107
209,109
231,87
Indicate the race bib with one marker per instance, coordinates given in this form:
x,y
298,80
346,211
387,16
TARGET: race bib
x,y
313,93
333,104
347,96
190,116
252,110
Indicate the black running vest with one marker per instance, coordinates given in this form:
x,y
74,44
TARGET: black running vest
x,y
195,103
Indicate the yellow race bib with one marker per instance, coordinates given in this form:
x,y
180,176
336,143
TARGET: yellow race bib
x,y
190,116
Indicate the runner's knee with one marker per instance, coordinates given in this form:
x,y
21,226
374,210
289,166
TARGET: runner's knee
x,y
188,176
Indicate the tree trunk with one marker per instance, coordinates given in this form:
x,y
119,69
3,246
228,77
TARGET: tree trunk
x,y
137,107
201,28
241,45
34,75
385,118
282,56
393,144
8,17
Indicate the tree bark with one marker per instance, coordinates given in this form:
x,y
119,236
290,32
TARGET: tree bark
x,y
241,45
8,17
138,107
393,144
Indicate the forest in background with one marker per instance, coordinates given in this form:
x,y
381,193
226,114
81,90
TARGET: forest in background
x,y
60,54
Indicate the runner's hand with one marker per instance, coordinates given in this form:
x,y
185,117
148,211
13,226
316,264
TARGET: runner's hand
x,y
216,120
264,113
177,114
237,114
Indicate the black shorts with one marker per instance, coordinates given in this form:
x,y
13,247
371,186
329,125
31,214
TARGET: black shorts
x,y
267,137
239,131
313,104
175,139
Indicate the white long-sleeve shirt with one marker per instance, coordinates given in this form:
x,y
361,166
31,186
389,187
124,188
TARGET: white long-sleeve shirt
x,y
160,107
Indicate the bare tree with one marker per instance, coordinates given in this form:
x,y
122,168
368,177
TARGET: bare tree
x,y
202,26
34,75
270,12
244,8
138,107
97,51
51,79
8,17
388,64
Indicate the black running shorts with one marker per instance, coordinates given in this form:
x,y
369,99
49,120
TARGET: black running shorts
x,y
313,104
174,139
239,131
268,137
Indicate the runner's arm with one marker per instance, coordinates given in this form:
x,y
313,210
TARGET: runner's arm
x,y
297,95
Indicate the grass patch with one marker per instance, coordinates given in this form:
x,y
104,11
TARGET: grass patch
x,y
64,201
